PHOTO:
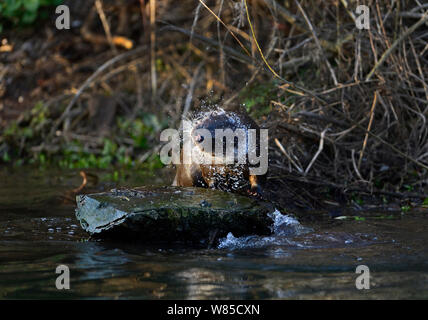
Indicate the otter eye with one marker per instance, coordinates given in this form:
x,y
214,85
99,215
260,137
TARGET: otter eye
x,y
199,138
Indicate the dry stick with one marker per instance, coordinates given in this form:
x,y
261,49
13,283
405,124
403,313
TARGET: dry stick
x,y
368,129
373,46
195,21
420,6
384,142
295,22
222,71
191,90
382,28
320,148
139,86
411,15
396,43
357,64
287,155
234,54
257,44
246,59
317,41
340,86
84,182
355,166
418,64
287,83
253,76
381,25
228,29
152,47
350,13
106,26
288,16
347,188
144,19
91,79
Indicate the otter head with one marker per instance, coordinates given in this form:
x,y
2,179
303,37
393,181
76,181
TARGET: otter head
x,y
204,130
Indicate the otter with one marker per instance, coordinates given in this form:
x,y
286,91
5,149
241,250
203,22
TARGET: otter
x,y
232,177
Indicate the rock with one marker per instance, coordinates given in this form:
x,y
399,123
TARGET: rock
x,y
182,214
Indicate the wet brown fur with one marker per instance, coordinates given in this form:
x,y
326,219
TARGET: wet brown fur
x,y
234,177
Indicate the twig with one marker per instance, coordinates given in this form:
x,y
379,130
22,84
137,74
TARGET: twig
x,y
222,60
320,148
90,80
247,59
191,90
257,44
420,164
287,155
350,13
144,20
84,182
355,166
234,54
418,64
228,29
396,43
153,75
368,129
347,188
288,16
99,7
317,42
195,21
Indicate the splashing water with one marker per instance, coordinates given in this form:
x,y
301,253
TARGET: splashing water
x,y
283,228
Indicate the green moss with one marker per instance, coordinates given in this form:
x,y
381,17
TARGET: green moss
x,y
256,98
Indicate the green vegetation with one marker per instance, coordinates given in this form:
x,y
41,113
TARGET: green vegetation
x,y
383,217
257,98
405,209
326,89
132,138
357,218
23,12
357,199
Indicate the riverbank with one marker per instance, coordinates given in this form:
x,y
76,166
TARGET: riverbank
x,y
344,128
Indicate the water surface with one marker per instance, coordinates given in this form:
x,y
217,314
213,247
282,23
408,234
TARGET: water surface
x,y
317,260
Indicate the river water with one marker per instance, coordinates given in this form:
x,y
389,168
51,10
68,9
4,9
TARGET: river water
x,y
303,259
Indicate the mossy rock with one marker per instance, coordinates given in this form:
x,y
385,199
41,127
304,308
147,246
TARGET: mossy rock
x,y
182,214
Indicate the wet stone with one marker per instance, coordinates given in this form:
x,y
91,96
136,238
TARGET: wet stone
x,y
173,214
